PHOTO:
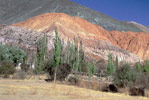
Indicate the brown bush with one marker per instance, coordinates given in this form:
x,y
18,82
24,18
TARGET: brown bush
x,y
142,80
25,67
137,91
7,68
72,80
62,72
101,68
111,88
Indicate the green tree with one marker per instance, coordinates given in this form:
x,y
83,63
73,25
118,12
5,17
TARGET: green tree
x,y
81,57
110,67
91,69
124,76
57,53
12,54
138,67
41,55
68,53
62,60
76,55
116,64
146,67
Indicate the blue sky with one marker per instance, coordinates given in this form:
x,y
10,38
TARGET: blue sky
x,y
125,10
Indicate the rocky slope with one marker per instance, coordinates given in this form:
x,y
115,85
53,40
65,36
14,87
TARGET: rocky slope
x,y
24,38
97,41
12,11
137,43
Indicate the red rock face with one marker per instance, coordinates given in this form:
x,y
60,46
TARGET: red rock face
x,y
137,43
96,41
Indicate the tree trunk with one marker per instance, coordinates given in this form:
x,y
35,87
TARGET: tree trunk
x,y
55,74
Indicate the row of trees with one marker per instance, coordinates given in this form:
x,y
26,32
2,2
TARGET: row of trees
x,y
71,54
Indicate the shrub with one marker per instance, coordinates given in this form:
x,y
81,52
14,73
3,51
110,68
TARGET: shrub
x,y
83,67
17,55
101,68
12,54
142,83
7,68
142,80
124,76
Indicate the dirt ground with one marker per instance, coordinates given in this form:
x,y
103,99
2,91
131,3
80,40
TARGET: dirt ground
x,y
41,90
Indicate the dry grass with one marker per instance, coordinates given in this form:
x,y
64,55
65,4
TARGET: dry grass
x,y
147,93
124,91
40,90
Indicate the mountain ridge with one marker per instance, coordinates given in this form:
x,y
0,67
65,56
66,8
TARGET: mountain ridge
x,y
140,26
13,11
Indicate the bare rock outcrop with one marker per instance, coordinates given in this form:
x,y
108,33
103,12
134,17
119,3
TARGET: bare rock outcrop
x,y
137,44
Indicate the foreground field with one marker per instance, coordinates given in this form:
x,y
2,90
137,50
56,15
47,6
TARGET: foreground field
x,y
41,90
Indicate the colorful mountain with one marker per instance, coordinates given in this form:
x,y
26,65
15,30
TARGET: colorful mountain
x,y
98,42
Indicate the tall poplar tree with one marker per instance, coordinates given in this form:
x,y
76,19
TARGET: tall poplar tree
x,y
57,52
